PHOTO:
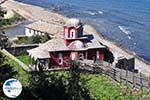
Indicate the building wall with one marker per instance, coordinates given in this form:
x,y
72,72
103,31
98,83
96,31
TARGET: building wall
x,y
92,54
21,49
78,31
81,55
126,64
67,55
55,58
30,32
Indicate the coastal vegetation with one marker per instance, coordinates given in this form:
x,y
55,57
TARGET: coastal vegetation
x,y
21,75
6,22
26,59
4,41
38,39
56,86
6,72
13,20
68,85
35,39
2,12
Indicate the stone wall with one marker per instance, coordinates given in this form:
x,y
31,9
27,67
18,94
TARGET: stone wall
x,y
21,49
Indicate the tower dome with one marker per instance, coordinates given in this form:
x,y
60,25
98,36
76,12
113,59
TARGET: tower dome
x,y
73,29
73,22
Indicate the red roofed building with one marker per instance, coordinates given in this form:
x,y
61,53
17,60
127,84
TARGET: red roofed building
x,y
74,45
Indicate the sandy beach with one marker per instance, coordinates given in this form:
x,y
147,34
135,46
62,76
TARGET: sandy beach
x,y
34,13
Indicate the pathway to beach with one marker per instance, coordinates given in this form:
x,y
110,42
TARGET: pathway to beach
x,y
31,12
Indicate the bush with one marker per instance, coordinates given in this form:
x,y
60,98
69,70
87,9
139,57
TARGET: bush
x,y
38,39
6,72
10,21
2,12
34,39
44,38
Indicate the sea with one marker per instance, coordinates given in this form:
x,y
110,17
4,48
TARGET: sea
x,y
126,22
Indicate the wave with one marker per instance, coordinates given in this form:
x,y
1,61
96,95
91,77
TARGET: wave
x,y
90,13
129,37
60,7
100,12
124,30
93,12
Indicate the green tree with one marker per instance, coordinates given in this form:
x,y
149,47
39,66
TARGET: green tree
x,y
6,72
4,41
45,38
38,39
34,39
77,88
56,86
2,12
44,86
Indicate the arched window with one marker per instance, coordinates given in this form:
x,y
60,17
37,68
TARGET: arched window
x,y
60,59
97,55
81,56
73,56
72,33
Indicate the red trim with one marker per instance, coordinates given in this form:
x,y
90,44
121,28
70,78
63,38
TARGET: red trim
x,y
101,55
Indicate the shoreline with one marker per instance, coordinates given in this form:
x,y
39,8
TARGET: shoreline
x,y
37,13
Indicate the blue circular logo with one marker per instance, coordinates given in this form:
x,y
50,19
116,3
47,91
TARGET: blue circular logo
x,y
12,88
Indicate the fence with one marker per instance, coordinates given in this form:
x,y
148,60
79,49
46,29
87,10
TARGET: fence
x,y
137,80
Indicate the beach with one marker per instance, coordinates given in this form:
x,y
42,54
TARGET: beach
x,y
57,21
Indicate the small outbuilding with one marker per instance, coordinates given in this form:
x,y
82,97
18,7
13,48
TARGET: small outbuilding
x,y
38,28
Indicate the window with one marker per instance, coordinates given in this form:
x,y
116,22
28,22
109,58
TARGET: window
x,y
72,33
73,56
66,33
81,56
34,32
60,59
97,55
29,30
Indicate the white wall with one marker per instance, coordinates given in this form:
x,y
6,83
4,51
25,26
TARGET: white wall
x,y
30,32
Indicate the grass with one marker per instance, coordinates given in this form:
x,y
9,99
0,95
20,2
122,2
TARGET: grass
x,y
26,59
103,88
22,75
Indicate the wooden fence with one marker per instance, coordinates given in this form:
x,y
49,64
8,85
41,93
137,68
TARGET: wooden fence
x,y
136,80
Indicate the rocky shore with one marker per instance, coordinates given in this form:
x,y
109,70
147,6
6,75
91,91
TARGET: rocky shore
x,y
31,12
